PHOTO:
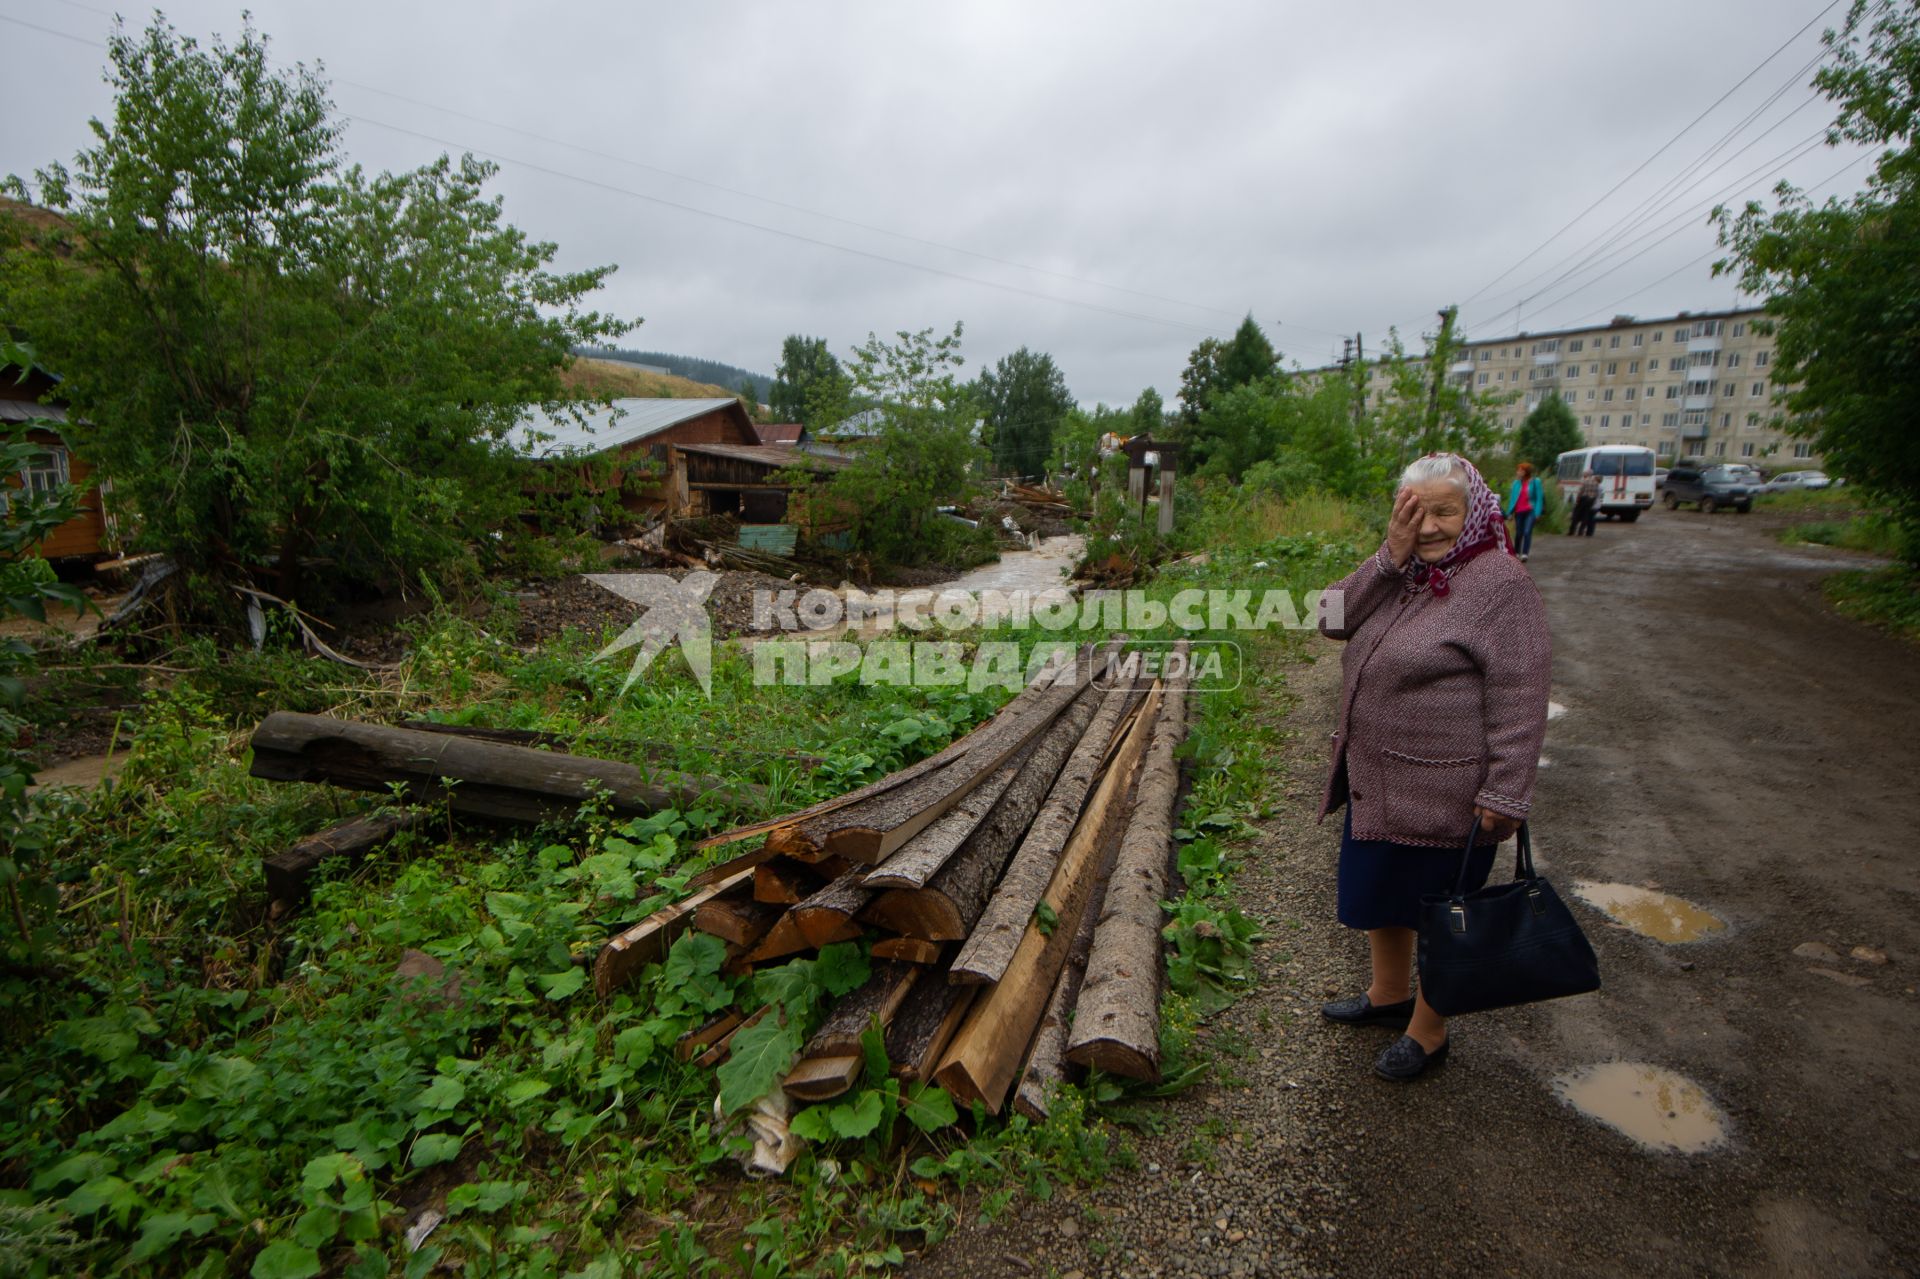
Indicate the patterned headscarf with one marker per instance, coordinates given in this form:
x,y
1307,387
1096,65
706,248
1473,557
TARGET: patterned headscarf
x,y
1485,530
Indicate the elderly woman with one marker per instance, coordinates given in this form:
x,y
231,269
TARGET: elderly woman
x,y
1443,708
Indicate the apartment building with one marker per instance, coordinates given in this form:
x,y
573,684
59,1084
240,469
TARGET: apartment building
x,y
1696,384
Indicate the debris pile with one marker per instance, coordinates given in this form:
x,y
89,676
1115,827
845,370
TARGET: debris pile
x,y
1009,888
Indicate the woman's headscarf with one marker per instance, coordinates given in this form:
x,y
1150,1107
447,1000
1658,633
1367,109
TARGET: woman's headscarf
x,y
1485,530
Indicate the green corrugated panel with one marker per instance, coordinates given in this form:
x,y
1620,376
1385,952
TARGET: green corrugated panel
x,y
771,539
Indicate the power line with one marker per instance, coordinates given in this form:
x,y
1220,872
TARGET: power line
x,y
1664,147
751,195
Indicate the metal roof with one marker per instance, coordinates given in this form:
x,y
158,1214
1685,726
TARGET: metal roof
x,y
28,411
608,425
778,456
779,432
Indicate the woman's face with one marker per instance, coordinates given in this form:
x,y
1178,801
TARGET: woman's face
x,y
1443,513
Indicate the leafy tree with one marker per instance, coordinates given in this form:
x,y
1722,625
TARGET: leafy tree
x,y
1023,399
1249,357
1149,415
1842,278
1548,431
284,358
808,373
924,448
1198,381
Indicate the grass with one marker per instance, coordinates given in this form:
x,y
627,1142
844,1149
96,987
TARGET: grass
x,y
587,376
193,1086
1885,597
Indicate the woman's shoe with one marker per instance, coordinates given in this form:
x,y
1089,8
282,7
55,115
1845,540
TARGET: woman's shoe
x,y
1361,1011
1405,1060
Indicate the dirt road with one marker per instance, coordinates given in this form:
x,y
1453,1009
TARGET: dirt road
x,y
1727,739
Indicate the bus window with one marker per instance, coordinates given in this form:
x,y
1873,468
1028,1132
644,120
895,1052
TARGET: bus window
x,y
1622,464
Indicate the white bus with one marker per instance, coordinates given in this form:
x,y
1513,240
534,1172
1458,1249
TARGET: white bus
x,y
1625,472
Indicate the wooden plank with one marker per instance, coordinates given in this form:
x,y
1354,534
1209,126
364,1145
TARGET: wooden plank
x,y
877,1000
989,947
910,950
921,857
925,1025
735,917
696,1041
289,872
991,1044
823,1078
953,750
947,908
1116,1020
485,779
718,1053
646,942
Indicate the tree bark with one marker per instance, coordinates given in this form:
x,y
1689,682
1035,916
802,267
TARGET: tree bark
x,y
288,872
830,911
486,779
987,1052
1116,1021
924,1026
990,946
879,998
627,953
946,909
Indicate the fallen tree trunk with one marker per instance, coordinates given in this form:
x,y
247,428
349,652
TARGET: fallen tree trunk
x,y
991,1044
1116,1022
485,779
947,908
288,872
989,948
646,942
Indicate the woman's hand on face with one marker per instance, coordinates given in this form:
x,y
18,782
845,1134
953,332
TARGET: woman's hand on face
x,y
1498,825
1403,526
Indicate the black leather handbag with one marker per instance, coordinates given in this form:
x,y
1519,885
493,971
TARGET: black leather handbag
x,y
1514,943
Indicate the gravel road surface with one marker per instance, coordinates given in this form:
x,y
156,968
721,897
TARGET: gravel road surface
x,y
1725,738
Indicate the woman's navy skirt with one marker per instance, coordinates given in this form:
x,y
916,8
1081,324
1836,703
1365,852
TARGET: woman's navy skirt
x,y
1381,882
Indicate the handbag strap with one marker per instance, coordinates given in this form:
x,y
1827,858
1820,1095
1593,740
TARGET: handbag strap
x,y
1522,857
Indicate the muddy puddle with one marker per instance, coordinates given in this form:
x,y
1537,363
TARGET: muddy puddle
x,y
1661,916
79,774
1654,1106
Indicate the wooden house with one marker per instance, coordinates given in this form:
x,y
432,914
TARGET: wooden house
x,y
88,535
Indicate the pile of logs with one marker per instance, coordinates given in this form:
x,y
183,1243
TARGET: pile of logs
x,y
1009,888
1036,497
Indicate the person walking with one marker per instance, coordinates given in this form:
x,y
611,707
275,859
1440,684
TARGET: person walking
x,y
1523,507
1586,507
1443,709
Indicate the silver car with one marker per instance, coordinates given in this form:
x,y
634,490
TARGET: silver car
x,y
1792,481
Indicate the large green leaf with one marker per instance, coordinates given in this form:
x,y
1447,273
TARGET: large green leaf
x,y
841,968
285,1259
760,1055
434,1148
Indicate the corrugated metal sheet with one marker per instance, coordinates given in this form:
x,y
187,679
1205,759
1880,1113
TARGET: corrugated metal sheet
x,y
28,411
608,426
769,455
772,539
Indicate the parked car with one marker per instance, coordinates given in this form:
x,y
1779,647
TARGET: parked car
x,y
1659,477
1710,488
1793,481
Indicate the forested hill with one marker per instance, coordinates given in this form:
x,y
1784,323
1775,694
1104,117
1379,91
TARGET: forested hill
x,y
711,371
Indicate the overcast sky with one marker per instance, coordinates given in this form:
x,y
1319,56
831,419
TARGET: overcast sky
x,y
1106,182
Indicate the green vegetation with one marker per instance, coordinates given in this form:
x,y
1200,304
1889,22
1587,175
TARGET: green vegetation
x,y
1023,400
692,369
808,384
1840,277
1886,597
1548,431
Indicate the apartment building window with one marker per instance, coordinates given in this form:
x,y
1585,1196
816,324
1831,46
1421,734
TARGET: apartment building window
x,y
1760,359
1694,417
1576,344
1637,337
1753,420
1739,329
1658,334
1680,334
1746,450
1646,418
1731,391
1573,370
1613,343
1673,392
1587,420
1726,420
1483,379
1633,368
1669,419
1720,449
1589,397
1608,396
1803,450
1606,420
1759,389
1676,364
1733,359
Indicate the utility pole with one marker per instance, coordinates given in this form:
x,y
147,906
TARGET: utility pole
x,y
1439,370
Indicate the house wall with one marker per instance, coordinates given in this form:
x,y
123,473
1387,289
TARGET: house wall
x,y
85,535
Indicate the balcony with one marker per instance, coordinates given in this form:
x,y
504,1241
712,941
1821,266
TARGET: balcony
x,y
1707,342
1460,368
1694,403
1693,430
1542,358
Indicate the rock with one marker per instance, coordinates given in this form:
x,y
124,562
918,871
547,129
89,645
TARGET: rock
x,y
1869,955
1236,1236
1816,950
1070,1229
1219,1223
1018,1262
1845,979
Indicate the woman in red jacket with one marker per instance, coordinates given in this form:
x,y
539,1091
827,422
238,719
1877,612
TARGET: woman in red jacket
x,y
1443,709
